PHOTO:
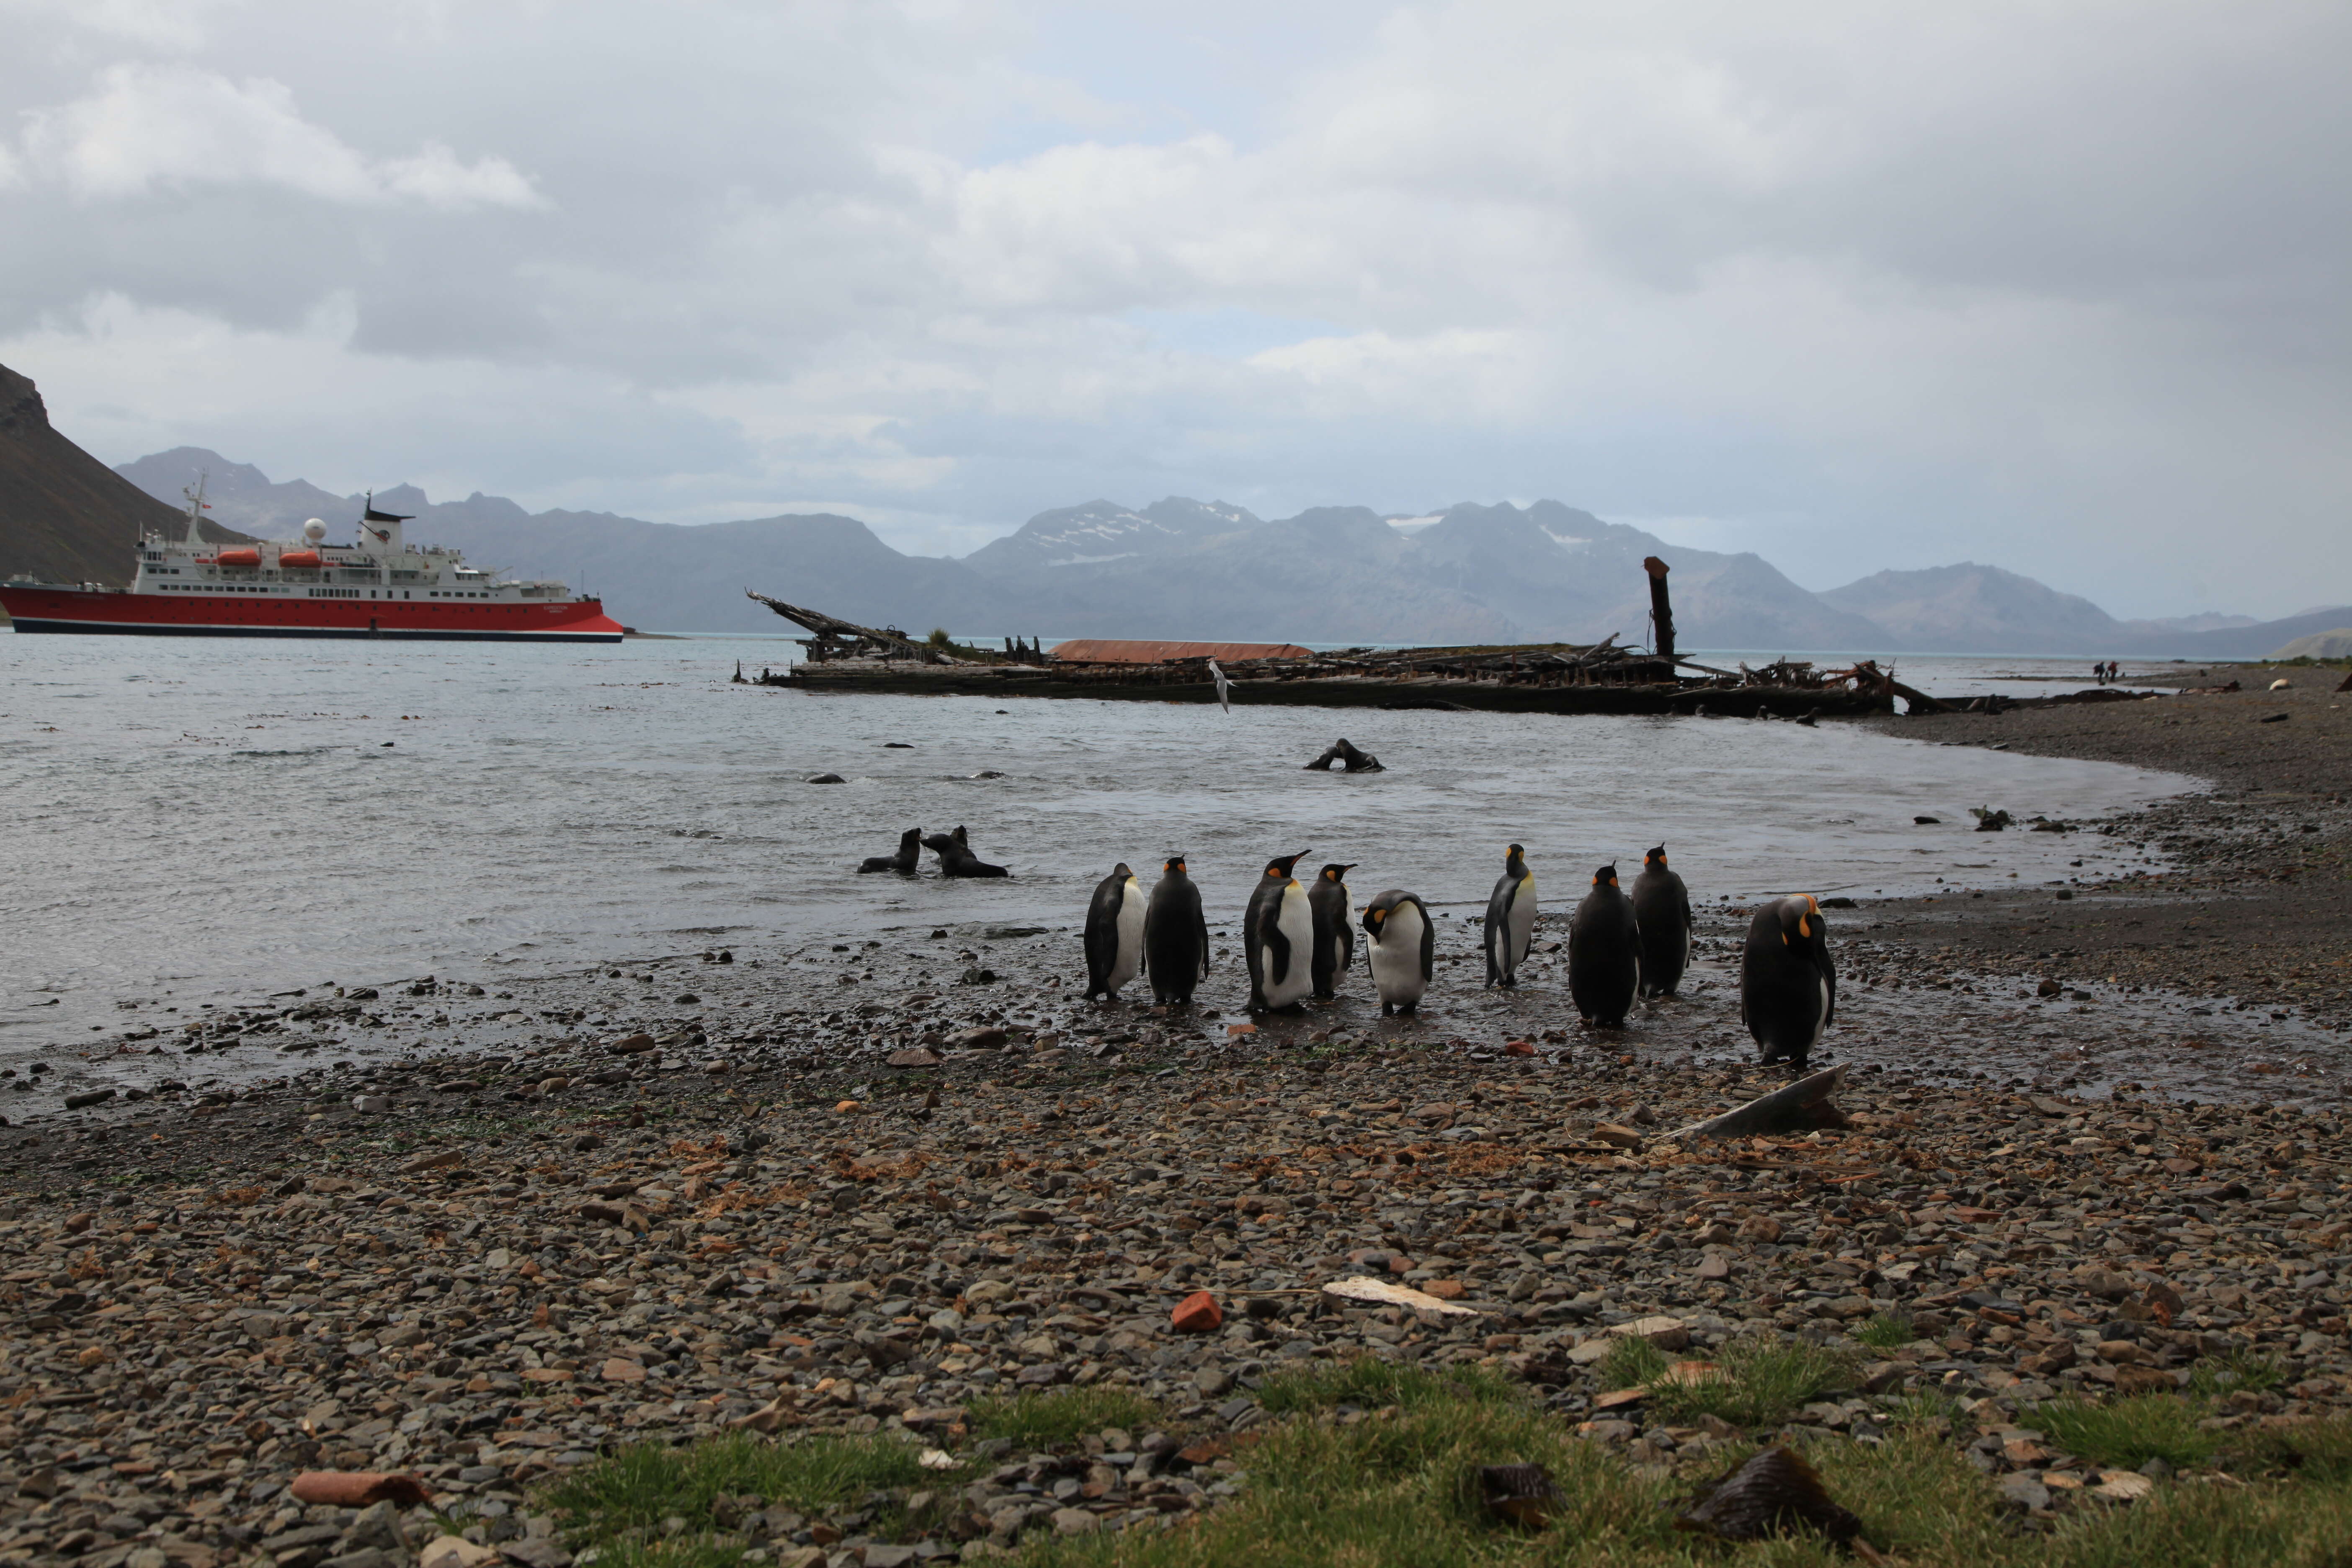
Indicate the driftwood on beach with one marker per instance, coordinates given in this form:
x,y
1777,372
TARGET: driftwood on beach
x,y
1804,1103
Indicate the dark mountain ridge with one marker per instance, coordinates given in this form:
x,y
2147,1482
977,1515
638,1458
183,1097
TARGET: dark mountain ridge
x,y
65,517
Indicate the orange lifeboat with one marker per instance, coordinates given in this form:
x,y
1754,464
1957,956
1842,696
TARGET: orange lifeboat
x,y
298,558
240,557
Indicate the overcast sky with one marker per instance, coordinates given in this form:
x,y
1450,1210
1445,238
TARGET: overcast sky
x,y
2057,287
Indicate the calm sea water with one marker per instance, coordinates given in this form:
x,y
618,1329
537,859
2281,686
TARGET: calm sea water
x,y
223,816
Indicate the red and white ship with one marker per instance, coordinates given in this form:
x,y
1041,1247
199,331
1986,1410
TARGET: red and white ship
x,y
379,587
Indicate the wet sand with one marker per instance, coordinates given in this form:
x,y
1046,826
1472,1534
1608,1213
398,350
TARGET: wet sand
x,y
2257,914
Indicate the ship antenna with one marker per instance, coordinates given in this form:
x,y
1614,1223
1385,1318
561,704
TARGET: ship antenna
x,y
195,503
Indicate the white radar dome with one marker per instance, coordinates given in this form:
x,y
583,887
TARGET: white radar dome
x,y
314,530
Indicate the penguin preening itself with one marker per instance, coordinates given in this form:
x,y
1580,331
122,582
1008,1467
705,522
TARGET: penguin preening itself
x,y
1175,935
1510,920
1114,933
1401,945
1278,939
910,851
1605,952
1787,987
1335,938
1661,904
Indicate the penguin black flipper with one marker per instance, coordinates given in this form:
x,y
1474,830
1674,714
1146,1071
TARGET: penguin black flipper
x,y
1498,909
1102,931
1277,953
1327,900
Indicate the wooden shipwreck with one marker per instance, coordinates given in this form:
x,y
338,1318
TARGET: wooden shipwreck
x,y
1533,677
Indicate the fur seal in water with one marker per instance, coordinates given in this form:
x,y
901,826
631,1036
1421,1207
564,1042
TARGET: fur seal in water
x,y
956,858
910,851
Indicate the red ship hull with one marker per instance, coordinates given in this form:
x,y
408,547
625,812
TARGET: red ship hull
x,y
60,609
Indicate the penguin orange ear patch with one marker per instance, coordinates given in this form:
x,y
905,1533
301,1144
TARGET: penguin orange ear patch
x,y
1804,927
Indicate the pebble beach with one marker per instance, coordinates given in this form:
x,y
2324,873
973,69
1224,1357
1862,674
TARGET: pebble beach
x,y
2089,1146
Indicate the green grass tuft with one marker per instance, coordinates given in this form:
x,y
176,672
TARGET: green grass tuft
x,y
1042,1421
2318,1451
1763,1381
2215,1375
1888,1331
2128,1433
626,1495
1631,1363
1369,1383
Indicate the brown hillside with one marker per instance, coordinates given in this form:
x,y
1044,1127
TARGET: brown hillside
x,y
65,517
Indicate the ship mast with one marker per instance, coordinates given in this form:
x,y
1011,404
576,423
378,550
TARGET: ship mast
x,y
196,505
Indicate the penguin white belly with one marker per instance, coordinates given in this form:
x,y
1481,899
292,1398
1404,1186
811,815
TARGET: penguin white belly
x,y
1522,929
1821,1014
1130,957
1396,958
1297,922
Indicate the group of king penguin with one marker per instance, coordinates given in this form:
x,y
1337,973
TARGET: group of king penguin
x,y
1298,942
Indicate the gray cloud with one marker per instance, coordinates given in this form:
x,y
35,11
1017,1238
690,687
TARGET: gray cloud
x,y
1856,286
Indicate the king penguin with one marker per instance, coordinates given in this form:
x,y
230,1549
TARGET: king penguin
x,y
1787,987
1335,938
1175,935
1114,933
1401,945
1661,904
1605,952
1279,934
1510,920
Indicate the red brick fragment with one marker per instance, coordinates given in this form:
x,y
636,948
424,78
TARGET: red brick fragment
x,y
1197,1314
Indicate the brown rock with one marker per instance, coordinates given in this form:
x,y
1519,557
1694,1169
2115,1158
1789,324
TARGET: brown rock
x,y
913,1057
